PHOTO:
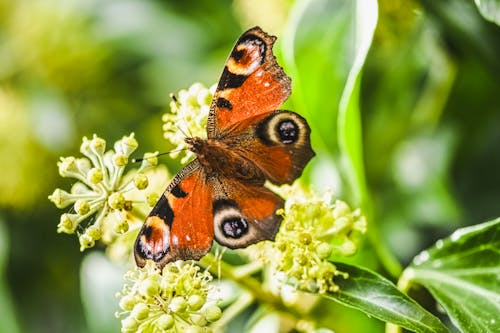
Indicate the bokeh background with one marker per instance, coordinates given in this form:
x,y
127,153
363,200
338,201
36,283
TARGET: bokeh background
x,y
429,101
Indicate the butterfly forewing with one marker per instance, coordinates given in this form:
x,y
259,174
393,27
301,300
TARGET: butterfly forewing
x,y
251,83
180,225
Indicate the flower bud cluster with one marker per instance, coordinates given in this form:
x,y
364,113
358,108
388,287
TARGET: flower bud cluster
x,y
188,116
174,300
102,190
313,230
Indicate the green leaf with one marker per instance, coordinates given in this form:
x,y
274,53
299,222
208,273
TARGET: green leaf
x,y
324,50
490,9
463,273
378,297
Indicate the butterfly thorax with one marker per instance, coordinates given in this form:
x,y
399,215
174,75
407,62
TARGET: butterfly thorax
x,y
217,158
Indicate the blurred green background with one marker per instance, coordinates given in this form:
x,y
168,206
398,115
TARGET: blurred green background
x,y
429,101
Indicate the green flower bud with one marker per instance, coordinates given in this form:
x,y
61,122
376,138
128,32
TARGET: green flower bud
x,y
83,165
324,250
305,238
198,319
140,311
120,160
149,160
80,188
95,175
129,324
152,199
213,313
127,302
178,304
82,207
149,287
97,145
165,322
126,145
116,201
85,147
67,223
94,232
121,226
341,209
141,181
195,302
302,260
86,241
61,198
67,166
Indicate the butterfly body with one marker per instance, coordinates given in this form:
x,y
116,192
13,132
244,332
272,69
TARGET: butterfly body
x,y
220,194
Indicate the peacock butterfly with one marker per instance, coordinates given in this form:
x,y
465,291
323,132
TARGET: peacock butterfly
x,y
221,193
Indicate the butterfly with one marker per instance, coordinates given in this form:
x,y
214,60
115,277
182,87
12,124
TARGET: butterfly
x,y
220,194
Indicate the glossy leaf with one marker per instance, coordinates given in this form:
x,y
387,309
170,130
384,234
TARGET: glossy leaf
x,y
378,297
490,9
463,273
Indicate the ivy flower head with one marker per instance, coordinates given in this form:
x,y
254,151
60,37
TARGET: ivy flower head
x,y
188,116
175,299
103,192
314,229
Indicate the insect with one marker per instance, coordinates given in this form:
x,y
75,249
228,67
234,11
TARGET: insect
x,y
220,194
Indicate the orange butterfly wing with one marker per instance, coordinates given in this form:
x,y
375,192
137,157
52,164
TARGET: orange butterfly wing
x,y
277,143
180,226
252,83
244,214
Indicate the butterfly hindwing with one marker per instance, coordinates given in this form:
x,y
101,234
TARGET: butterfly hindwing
x,y
180,225
244,214
252,83
277,143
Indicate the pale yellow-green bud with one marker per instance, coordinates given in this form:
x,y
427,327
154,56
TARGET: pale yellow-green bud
x,y
341,209
67,223
141,181
95,175
152,198
127,145
127,302
198,319
80,188
305,238
94,232
324,250
195,302
61,198
83,165
213,313
116,201
149,287
121,226
97,145
178,304
67,166
149,160
86,241
140,311
129,324
165,321
120,160
82,207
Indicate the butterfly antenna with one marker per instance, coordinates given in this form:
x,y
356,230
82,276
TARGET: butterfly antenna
x,y
138,160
